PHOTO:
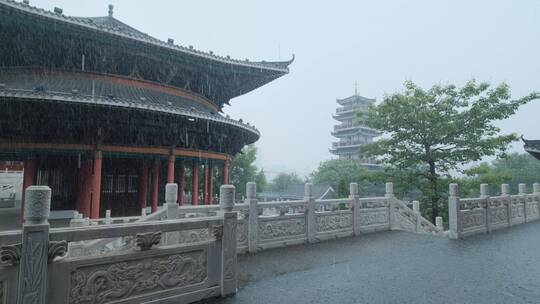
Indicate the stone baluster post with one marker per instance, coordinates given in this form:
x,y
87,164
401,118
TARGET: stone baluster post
x,y
108,220
484,194
171,205
536,192
253,216
439,222
390,198
454,212
228,251
522,192
32,283
416,206
505,191
311,220
76,249
356,208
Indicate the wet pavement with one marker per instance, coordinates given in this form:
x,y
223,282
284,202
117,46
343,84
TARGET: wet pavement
x,y
397,267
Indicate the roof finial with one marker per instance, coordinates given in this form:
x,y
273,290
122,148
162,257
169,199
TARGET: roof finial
x,y
111,10
356,88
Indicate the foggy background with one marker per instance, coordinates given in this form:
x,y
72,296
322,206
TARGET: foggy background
x,y
379,44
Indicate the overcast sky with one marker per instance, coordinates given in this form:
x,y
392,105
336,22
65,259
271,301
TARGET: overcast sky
x,y
379,44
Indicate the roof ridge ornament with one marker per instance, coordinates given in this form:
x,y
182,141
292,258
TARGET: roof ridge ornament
x,y
111,10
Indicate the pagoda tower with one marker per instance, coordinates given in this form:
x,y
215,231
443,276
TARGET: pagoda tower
x,y
351,132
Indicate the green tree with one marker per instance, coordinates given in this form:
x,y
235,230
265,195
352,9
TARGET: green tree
x,y
340,173
283,180
243,170
437,130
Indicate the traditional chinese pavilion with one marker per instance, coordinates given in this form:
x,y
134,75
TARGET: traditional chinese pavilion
x,y
107,115
532,147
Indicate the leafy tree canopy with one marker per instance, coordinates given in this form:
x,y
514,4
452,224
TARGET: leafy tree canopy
x,y
243,170
439,129
283,180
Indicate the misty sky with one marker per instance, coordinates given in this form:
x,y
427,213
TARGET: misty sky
x,y
379,44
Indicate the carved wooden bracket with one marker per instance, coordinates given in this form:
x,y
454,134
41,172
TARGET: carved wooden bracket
x,y
57,249
145,241
11,254
217,231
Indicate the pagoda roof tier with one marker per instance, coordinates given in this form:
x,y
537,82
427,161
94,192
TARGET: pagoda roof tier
x,y
52,39
532,147
355,98
343,130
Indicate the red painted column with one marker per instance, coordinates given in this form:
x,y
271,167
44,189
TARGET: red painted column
x,y
84,196
181,183
170,172
155,186
211,184
195,183
96,185
226,173
206,185
143,186
28,180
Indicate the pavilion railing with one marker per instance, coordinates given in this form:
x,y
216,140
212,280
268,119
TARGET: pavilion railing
x,y
35,266
262,225
469,216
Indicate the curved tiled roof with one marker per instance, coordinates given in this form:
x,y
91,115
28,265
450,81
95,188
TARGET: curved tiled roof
x,y
85,87
110,25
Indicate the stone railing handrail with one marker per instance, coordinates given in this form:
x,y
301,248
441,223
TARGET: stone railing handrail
x,y
468,216
38,256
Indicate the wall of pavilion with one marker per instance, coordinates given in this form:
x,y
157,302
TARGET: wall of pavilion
x,y
106,115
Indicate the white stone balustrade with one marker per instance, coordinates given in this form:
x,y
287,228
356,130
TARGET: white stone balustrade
x,y
486,213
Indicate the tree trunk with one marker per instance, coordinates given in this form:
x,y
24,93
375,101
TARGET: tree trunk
x,y
435,193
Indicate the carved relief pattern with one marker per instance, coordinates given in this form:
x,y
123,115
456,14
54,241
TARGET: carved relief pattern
x,y
119,281
517,211
193,236
57,249
427,227
242,234
145,241
532,210
229,234
33,287
281,228
498,215
11,254
333,222
374,218
405,218
473,219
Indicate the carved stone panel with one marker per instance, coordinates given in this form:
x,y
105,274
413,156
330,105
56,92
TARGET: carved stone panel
x,y
242,234
193,236
518,214
374,217
119,281
474,219
532,210
281,228
498,215
333,222
405,219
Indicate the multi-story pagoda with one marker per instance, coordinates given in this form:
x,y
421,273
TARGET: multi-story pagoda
x,y
107,115
351,132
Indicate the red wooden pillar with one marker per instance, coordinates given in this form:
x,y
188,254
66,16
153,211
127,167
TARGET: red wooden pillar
x,y
155,186
96,185
206,185
170,172
143,186
226,173
84,196
195,183
28,180
181,185
211,184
